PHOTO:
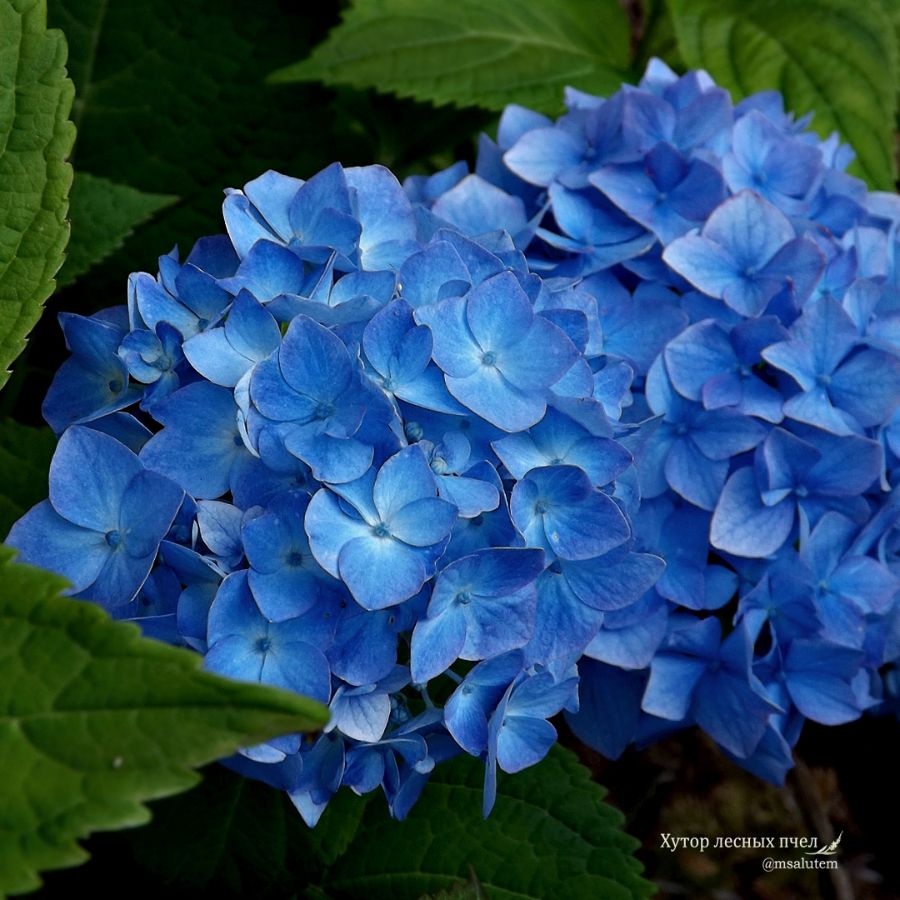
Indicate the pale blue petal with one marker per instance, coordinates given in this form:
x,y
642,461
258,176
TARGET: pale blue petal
x,y
743,525
45,539
487,393
436,644
88,476
329,529
423,522
380,572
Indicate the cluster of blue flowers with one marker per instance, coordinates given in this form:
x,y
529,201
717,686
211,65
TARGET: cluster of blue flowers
x,y
419,452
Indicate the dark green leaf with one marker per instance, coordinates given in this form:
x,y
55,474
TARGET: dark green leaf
x,y
550,835
171,100
474,53
25,455
836,58
229,834
35,139
103,214
95,719
235,835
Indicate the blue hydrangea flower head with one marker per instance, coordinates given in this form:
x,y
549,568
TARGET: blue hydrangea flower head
x,y
608,427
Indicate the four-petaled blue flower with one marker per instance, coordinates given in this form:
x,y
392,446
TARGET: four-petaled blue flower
x,y
481,606
745,254
311,384
104,521
497,356
383,534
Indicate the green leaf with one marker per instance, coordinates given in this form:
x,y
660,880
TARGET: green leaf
x,y
35,139
474,53
25,455
836,58
175,102
103,214
238,836
550,835
171,99
95,719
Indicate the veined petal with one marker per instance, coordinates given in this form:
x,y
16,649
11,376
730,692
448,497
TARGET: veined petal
x,y
88,476
45,539
487,393
379,571
436,644
423,522
330,528
742,524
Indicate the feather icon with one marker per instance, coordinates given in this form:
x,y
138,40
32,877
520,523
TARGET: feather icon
x,y
828,849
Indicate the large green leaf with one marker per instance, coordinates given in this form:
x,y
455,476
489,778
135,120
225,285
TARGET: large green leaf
x,y
171,99
836,58
550,835
474,53
25,455
103,214
35,139
95,719
234,835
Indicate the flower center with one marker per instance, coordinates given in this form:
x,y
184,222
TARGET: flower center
x,y
464,597
237,440
113,538
263,645
823,380
541,506
115,385
381,530
489,358
324,410
295,559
